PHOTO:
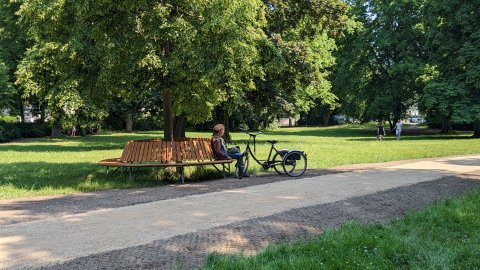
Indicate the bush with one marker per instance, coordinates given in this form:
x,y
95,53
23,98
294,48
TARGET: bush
x,y
9,131
33,130
9,119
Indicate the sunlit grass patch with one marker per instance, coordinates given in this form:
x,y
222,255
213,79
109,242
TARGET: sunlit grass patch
x,y
66,165
445,236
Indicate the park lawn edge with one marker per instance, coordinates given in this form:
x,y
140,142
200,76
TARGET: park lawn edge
x,y
62,166
444,236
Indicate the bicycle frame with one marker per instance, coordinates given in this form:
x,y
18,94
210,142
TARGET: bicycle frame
x,y
267,163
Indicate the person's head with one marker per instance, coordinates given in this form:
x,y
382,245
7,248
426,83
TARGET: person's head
x,y
399,120
219,129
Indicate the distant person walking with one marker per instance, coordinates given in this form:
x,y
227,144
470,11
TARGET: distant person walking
x,y
398,129
380,132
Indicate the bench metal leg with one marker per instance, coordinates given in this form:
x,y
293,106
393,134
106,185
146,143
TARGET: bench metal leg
x,y
182,174
130,174
224,168
108,173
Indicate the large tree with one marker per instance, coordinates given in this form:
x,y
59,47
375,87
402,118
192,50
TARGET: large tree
x,y
191,51
13,43
7,91
379,63
296,58
452,93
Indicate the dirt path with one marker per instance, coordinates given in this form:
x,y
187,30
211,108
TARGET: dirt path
x,y
189,251
38,208
323,199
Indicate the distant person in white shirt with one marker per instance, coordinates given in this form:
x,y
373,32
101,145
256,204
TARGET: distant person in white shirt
x,y
398,129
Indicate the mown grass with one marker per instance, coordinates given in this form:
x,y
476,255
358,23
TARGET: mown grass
x,y
445,236
67,165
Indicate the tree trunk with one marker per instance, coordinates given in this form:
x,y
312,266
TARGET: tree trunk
x,y
476,128
446,126
390,123
56,132
129,122
43,116
326,117
179,126
167,115
22,112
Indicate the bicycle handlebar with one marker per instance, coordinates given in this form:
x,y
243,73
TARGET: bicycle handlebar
x,y
247,132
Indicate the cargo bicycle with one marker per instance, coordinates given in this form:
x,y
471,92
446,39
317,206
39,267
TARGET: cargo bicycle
x,y
283,161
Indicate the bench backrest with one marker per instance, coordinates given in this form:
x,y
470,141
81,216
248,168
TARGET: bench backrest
x,y
157,150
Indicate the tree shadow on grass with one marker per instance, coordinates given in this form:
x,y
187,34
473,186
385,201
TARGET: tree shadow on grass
x,y
81,177
88,177
416,138
69,144
61,148
333,131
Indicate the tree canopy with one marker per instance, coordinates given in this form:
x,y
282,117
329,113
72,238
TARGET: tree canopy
x,y
249,60
452,91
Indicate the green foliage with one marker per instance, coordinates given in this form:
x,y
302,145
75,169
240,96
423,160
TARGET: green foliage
x,y
13,42
296,59
7,91
453,77
443,237
89,53
9,119
9,131
33,130
379,62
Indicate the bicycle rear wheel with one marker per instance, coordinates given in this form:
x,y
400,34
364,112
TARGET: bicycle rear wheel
x,y
295,163
245,159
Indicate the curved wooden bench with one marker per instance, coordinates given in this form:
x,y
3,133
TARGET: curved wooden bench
x,y
159,153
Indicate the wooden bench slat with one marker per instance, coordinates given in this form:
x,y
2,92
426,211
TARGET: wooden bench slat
x,y
188,150
131,151
157,152
207,153
177,153
193,152
149,150
137,152
169,152
201,150
125,151
163,152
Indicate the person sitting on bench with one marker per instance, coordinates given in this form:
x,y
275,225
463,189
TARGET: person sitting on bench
x,y
221,152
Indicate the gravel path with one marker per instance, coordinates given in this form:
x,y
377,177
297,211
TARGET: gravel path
x,y
38,208
189,251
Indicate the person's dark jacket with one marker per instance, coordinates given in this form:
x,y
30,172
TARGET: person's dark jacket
x,y
218,152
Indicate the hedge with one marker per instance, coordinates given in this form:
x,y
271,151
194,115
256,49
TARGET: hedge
x,y
11,131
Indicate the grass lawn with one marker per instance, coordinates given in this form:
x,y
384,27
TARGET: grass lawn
x,y
67,165
445,236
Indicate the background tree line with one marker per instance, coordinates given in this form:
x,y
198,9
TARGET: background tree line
x,y
171,63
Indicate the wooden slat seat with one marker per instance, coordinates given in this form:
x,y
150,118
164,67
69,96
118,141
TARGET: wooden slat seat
x,y
159,153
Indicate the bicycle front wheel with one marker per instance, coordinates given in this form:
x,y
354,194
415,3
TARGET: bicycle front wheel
x,y
278,164
238,172
295,163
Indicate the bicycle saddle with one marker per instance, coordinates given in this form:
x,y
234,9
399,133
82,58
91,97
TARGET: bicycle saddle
x,y
272,141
